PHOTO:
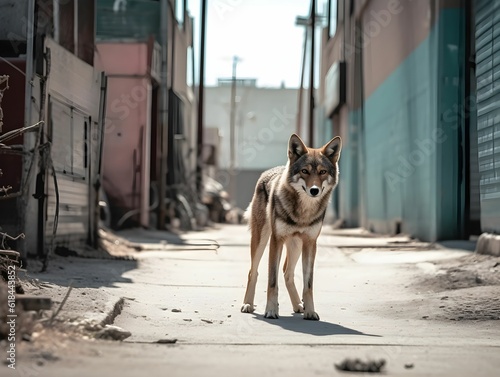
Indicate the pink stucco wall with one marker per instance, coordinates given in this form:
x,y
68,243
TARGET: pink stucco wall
x,y
126,154
122,58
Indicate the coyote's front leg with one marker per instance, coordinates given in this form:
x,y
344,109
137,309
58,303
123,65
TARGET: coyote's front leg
x,y
275,248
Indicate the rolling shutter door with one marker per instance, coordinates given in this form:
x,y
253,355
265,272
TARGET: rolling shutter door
x,y
488,110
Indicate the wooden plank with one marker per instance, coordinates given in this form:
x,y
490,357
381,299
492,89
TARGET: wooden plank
x,y
33,302
73,80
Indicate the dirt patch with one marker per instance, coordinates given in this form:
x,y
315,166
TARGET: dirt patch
x,y
473,270
473,304
466,288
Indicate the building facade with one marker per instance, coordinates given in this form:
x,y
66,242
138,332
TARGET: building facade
x,y
264,120
410,87
145,153
47,50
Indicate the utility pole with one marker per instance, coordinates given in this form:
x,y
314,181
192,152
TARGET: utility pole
x,y
304,22
311,78
162,131
232,120
201,89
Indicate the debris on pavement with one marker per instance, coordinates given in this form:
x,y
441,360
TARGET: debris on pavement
x,y
25,324
10,259
207,320
33,302
409,365
358,365
167,341
176,311
111,332
54,315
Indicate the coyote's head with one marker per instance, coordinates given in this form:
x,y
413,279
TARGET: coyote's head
x,y
313,171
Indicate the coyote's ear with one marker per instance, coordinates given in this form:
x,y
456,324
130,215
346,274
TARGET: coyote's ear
x,y
332,149
296,148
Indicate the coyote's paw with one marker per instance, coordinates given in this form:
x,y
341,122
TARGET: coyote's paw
x,y
271,311
271,314
247,308
299,308
312,316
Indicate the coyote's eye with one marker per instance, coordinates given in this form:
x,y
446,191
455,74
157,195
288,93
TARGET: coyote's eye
x,y
304,171
321,172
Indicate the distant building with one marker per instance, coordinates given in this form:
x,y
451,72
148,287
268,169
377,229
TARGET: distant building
x,y
264,120
411,88
129,50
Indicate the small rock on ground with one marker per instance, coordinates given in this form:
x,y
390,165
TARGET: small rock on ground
x,y
111,332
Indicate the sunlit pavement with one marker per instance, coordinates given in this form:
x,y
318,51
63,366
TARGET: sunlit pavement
x,y
369,300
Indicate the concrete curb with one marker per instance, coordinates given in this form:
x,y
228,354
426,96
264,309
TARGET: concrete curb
x,y
111,310
488,243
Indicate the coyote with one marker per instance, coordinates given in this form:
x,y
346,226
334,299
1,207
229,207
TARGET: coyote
x,y
288,207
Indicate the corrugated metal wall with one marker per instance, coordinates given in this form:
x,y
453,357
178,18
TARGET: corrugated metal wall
x,y
73,99
488,110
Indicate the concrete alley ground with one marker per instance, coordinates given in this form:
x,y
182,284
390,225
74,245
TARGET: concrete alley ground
x,y
427,310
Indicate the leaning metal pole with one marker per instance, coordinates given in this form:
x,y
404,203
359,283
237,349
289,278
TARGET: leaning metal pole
x,y
232,121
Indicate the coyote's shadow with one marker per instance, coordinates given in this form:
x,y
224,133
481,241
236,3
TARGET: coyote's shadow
x,y
296,323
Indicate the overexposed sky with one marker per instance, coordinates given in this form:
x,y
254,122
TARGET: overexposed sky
x,y
262,33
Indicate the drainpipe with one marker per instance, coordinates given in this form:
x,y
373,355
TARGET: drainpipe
x,y
97,184
201,99
162,130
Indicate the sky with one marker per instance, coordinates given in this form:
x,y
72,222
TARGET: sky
x,y
262,33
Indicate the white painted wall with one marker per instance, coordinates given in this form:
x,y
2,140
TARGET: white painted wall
x,y
265,119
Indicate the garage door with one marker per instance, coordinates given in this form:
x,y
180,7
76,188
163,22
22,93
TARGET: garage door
x,y
488,110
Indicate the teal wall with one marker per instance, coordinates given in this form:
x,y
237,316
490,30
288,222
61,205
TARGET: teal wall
x,y
410,159
451,103
349,188
140,20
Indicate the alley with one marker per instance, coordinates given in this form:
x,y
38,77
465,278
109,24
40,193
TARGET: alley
x,y
371,301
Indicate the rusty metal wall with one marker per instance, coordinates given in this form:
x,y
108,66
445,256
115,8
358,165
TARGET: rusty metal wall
x,y
10,161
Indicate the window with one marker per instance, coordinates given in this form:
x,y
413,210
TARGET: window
x,y
69,137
